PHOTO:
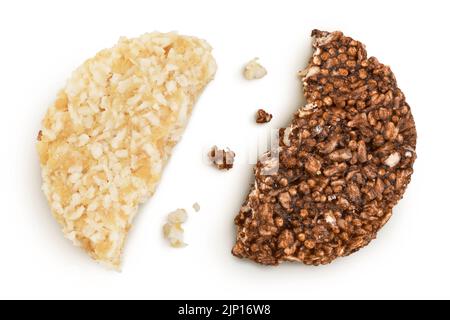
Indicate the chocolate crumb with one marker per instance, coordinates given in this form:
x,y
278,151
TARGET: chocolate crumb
x,y
263,117
222,159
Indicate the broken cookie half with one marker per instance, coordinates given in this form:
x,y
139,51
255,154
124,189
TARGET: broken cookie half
x,y
107,137
341,166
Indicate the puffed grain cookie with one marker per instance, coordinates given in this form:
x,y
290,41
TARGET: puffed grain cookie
x,y
341,166
106,139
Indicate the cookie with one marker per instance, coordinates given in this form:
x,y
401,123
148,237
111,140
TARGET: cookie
x,y
106,139
342,165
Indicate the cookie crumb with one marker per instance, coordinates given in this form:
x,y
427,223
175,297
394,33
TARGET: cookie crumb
x,y
173,231
263,117
100,127
196,207
221,159
254,70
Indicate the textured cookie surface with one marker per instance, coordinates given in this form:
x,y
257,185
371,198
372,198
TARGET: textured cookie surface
x,y
107,137
341,166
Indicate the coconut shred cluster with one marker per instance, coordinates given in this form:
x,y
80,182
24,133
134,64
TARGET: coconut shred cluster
x,y
107,137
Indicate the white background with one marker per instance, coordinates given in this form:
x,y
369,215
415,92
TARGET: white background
x,y
43,41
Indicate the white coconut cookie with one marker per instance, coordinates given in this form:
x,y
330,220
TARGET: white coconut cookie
x,y
107,137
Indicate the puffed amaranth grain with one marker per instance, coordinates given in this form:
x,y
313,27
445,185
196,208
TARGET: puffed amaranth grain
x,y
107,137
342,165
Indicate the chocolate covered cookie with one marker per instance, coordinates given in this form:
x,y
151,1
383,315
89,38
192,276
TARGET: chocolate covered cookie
x,y
341,166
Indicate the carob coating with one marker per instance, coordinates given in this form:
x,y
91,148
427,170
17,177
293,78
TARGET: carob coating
x,y
341,166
